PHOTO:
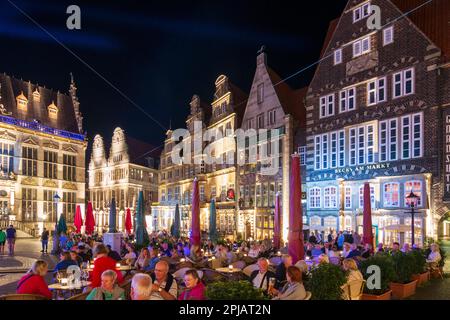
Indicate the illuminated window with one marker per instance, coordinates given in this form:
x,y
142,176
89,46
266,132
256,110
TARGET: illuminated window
x,y
391,194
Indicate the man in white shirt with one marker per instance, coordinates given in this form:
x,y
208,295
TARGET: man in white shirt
x,y
435,256
260,278
164,286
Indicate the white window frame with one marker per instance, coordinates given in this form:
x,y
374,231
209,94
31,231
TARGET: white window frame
x,y
330,197
325,150
348,197
302,153
383,155
344,99
393,139
355,13
402,82
341,148
353,146
386,32
388,203
333,150
317,152
315,199
374,87
420,135
361,145
325,103
405,136
408,191
358,46
370,148
337,56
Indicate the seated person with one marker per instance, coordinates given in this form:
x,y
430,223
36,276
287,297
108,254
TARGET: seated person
x,y
154,259
334,252
354,251
406,248
108,290
395,247
195,290
65,261
260,278
353,275
141,287
280,273
81,250
254,251
75,257
164,286
434,257
293,289
101,264
130,256
165,250
317,251
143,260
113,254
367,252
322,259
346,249
33,282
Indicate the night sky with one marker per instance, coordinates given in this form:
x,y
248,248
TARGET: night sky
x,y
158,53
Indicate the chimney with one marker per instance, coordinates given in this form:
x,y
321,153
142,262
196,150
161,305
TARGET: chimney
x,y
262,57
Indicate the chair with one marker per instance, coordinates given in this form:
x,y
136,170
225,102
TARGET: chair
x,y
308,295
210,276
249,269
216,263
353,290
80,296
275,260
179,274
126,285
23,297
435,270
239,264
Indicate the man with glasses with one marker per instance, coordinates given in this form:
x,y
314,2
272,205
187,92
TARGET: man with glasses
x,y
164,286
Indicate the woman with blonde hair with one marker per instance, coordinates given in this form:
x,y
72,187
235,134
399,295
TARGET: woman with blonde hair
x,y
33,281
323,258
351,266
108,290
353,287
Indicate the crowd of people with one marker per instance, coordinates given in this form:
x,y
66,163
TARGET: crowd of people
x,y
152,276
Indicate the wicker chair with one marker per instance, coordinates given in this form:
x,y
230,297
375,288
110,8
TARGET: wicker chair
x,y
354,290
81,296
23,297
249,269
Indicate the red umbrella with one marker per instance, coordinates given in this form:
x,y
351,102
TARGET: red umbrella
x,y
128,223
295,238
78,220
277,223
195,228
90,221
367,216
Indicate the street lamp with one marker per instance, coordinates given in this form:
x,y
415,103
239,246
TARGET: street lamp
x,y
412,202
56,199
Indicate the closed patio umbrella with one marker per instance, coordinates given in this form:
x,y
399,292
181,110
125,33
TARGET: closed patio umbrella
x,y
213,221
295,238
78,220
277,223
128,223
112,216
195,226
90,220
367,216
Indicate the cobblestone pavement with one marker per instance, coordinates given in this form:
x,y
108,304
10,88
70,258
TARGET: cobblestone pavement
x,y
13,268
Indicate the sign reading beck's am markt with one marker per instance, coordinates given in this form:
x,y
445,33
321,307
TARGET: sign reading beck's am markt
x,y
447,157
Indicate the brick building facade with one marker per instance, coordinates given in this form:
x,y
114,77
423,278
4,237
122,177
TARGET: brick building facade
x,y
375,112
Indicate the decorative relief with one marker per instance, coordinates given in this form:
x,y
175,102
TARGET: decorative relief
x,y
50,184
70,185
50,144
69,148
364,62
7,135
30,140
29,181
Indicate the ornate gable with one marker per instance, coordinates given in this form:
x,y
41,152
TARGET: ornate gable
x,y
50,144
69,148
30,140
7,136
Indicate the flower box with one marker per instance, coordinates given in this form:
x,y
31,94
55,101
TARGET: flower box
x,y
421,278
385,296
403,290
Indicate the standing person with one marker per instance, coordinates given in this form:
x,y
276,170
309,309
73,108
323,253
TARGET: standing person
x,y
44,240
11,238
2,241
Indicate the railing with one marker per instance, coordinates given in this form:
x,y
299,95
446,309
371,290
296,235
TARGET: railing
x,y
18,225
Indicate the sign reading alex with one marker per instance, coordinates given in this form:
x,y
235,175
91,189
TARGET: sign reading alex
x,y
447,156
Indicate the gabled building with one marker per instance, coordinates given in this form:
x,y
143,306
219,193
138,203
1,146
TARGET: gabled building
x,y
42,154
217,180
376,111
272,104
131,166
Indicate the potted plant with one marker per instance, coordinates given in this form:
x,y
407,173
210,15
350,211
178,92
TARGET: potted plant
x,y
387,275
402,286
233,290
421,274
326,282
